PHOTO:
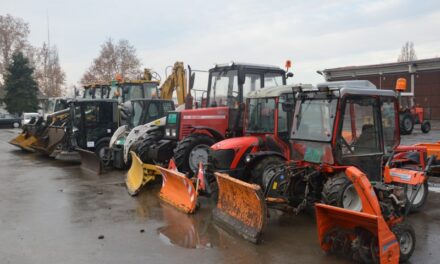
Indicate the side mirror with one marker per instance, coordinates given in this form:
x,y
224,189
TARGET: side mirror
x,y
287,106
289,75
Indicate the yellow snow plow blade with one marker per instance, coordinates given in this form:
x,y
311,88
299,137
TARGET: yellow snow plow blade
x,y
26,144
241,207
139,174
89,161
177,190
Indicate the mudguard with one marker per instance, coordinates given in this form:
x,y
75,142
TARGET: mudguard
x,y
241,207
139,175
177,190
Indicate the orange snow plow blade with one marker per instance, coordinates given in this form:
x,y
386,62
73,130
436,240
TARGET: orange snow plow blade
x,y
139,174
177,190
241,207
431,148
330,219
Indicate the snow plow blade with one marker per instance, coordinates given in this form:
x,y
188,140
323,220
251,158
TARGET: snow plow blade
x,y
26,144
330,219
18,139
177,190
90,161
139,174
241,207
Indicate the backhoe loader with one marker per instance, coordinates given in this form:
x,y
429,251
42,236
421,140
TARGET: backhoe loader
x,y
188,134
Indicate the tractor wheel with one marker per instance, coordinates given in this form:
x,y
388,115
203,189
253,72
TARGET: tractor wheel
x,y
406,124
191,151
406,238
260,167
339,191
103,152
426,126
144,145
420,198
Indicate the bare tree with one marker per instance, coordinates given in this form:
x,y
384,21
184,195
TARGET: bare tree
x,y
408,52
13,37
49,74
114,58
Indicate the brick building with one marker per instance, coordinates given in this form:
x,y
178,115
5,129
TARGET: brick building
x,y
423,80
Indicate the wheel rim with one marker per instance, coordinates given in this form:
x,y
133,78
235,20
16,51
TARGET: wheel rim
x,y
268,174
406,243
410,191
15,125
102,155
351,200
407,124
198,154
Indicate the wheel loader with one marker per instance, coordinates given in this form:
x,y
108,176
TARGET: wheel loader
x,y
188,134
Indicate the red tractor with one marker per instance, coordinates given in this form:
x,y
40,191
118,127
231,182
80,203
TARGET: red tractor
x,y
188,134
414,114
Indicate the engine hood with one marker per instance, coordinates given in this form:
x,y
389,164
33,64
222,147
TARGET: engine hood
x,y
237,143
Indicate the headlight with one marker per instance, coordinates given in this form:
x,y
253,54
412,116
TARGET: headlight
x,y
168,132
173,132
120,141
248,158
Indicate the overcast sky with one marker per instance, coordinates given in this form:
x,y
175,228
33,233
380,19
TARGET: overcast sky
x,y
314,34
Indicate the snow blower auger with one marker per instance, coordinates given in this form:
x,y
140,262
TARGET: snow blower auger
x,y
139,174
378,234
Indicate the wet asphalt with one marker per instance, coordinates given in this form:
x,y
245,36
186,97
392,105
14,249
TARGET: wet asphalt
x,y
53,212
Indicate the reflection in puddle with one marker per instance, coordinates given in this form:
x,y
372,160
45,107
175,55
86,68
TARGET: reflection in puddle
x,y
183,230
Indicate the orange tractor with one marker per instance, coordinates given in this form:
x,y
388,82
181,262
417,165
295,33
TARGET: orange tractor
x,y
338,126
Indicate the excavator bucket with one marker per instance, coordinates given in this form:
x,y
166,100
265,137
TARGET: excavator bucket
x,y
90,161
139,174
241,207
177,190
331,219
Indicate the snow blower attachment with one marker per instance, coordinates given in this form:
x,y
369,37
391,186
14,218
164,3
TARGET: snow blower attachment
x,y
90,161
370,236
139,174
241,206
178,190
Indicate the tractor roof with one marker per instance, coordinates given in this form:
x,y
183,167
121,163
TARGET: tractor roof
x,y
246,65
357,87
277,90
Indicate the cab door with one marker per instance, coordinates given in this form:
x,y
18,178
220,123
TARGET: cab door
x,y
359,139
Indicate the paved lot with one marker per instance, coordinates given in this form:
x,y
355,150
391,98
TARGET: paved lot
x,y
52,212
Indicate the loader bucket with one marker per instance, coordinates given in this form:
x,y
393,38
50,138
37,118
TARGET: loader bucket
x,y
90,161
139,174
241,207
330,218
18,139
177,190
55,136
26,144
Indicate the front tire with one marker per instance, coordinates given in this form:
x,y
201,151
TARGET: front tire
x,y
191,151
339,191
103,152
143,146
406,237
260,168
426,127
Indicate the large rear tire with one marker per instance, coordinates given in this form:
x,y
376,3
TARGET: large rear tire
x,y
406,237
421,197
339,191
191,151
406,124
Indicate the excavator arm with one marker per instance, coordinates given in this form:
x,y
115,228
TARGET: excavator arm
x,y
175,82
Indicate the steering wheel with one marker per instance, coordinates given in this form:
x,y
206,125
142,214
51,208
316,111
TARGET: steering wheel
x,y
344,142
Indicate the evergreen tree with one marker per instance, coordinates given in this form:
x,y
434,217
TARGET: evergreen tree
x,y
21,88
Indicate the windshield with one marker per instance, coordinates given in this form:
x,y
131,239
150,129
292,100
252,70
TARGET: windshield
x,y
150,90
224,89
137,113
49,106
314,119
261,115
273,79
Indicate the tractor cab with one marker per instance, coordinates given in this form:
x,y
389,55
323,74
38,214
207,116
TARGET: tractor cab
x,y
126,90
96,91
346,123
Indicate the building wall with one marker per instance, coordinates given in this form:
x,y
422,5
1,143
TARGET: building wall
x,y
426,88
